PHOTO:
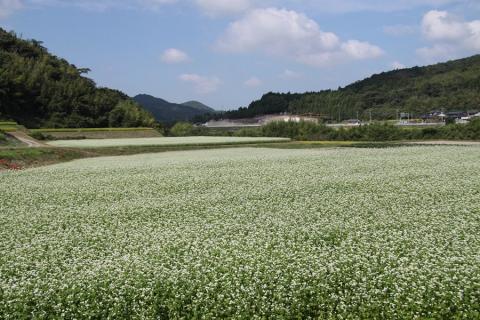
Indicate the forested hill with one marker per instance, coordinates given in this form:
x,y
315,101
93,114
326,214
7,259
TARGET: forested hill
x,y
449,86
168,112
38,89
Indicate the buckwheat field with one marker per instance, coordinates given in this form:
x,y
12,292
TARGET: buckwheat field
x,y
245,233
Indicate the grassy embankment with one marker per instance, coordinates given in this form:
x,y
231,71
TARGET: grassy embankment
x,y
94,133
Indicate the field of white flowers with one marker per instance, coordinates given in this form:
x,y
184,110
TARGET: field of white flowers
x,y
164,141
245,233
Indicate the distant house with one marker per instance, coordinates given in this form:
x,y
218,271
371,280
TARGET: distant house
x,y
353,122
456,114
434,116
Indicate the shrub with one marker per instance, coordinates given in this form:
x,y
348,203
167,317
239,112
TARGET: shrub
x,y
182,129
40,136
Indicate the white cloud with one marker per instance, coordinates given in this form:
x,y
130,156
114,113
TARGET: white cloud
x,y
220,7
443,26
7,7
361,50
450,35
172,56
201,84
291,34
253,82
398,65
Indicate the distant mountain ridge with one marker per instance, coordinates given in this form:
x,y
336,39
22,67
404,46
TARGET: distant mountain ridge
x,y
165,111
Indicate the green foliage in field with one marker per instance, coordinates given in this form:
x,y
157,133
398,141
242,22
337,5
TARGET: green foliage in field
x,y
375,132
450,86
128,114
40,89
182,129
3,138
245,234
41,136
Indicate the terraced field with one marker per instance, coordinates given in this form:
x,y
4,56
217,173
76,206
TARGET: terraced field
x,y
98,133
170,141
245,233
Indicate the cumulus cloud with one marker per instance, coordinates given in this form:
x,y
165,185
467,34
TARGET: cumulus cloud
x,y
291,34
201,84
253,82
172,56
450,35
220,7
7,7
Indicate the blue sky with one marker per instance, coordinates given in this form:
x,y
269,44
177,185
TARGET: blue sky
x,y
227,53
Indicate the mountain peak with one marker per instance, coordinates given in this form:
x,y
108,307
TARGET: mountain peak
x,y
165,111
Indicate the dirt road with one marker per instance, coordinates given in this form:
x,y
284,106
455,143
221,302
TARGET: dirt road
x,y
29,141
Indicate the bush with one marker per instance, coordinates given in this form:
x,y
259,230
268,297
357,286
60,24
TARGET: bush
x,y
40,136
182,129
3,137
129,114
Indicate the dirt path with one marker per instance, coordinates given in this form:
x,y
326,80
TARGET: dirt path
x,y
29,141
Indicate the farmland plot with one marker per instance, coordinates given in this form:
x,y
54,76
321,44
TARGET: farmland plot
x,y
169,141
245,233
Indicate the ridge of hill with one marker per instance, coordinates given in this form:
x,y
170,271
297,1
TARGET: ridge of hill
x,y
167,112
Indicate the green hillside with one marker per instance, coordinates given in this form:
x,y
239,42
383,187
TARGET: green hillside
x,y
450,86
38,89
168,112
199,106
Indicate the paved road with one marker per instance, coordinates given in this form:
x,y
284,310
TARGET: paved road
x,y
29,141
